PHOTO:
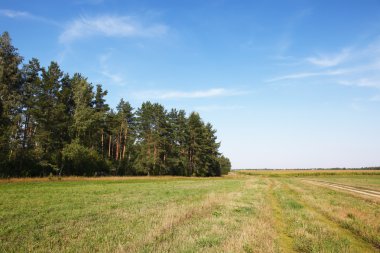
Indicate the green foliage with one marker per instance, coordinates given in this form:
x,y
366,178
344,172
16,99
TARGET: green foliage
x,y
83,161
51,122
9,99
225,165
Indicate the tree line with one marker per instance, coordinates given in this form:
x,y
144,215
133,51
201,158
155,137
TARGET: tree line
x,y
54,123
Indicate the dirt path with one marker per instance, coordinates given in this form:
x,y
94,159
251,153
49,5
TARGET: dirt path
x,y
363,191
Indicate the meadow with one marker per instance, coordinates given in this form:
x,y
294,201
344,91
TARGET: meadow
x,y
246,211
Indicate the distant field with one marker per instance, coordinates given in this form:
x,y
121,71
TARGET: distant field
x,y
243,212
307,173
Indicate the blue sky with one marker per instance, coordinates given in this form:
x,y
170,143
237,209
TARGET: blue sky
x,y
287,84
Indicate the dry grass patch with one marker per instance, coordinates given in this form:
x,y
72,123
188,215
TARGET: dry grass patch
x,y
353,213
311,231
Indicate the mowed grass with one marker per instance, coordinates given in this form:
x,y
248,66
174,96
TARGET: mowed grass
x,y
237,213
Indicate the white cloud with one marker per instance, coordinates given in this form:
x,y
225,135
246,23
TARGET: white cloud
x,y
110,26
361,67
330,60
362,82
308,74
359,70
15,14
112,77
215,92
26,15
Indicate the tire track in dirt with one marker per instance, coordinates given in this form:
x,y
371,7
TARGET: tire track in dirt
x,y
363,191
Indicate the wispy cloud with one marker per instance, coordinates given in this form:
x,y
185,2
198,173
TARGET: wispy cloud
x,y
286,38
215,92
362,82
324,60
112,77
15,14
308,74
353,66
110,26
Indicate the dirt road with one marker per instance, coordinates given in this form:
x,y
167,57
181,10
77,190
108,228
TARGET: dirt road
x,y
349,188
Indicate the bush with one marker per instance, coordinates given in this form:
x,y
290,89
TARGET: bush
x,y
82,161
225,165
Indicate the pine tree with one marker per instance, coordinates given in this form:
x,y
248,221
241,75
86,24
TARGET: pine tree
x,y
194,144
101,110
49,117
177,158
31,86
10,82
152,127
125,136
84,113
50,122
26,162
210,152
66,101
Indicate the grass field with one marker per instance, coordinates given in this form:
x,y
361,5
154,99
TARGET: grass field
x,y
243,212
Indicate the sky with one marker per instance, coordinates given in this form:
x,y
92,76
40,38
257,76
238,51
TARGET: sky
x,y
286,84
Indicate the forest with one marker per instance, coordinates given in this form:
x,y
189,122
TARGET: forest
x,y
53,123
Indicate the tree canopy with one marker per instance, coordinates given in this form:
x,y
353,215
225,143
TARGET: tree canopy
x,y
51,122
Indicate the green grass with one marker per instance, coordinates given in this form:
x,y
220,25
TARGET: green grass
x,y
231,214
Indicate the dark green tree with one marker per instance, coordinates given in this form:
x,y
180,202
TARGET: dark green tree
x,y
67,108
151,133
100,115
31,86
125,136
50,118
210,152
225,165
84,120
27,162
53,123
177,158
10,97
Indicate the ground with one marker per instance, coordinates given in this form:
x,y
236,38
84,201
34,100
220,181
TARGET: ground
x,y
242,212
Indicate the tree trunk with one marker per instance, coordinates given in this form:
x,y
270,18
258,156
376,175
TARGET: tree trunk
x,y
102,143
125,142
25,132
117,148
120,149
154,156
109,146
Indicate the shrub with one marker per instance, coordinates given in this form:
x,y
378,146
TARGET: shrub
x,y
80,160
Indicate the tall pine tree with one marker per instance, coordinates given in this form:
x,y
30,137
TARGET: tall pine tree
x,y
10,96
53,123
